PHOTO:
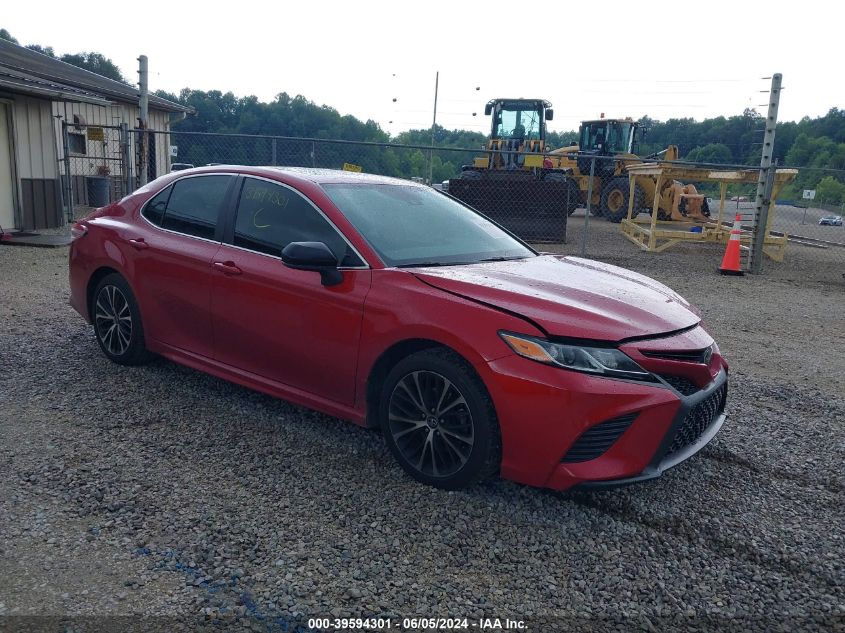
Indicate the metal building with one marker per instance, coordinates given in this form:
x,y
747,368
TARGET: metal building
x,y
47,107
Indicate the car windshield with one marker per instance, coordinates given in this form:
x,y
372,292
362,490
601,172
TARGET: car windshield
x,y
416,226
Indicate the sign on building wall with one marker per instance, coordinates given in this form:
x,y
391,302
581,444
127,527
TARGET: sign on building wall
x,y
174,150
96,134
809,194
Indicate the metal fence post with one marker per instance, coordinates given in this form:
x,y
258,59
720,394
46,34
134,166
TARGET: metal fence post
x,y
273,151
765,179
68,185
143,106
589,206
566,209
126,157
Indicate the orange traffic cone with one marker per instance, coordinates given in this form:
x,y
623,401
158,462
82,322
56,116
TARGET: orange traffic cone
x,y
730,262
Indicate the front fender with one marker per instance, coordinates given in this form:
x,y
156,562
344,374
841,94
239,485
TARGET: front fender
x,y
400,307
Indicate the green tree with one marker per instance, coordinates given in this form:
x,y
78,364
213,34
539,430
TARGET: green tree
x,y
711,153
5,35
96,63
830,190
44,50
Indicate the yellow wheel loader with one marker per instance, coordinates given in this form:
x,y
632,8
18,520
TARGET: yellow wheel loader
x,y
514,182
611,142
517,151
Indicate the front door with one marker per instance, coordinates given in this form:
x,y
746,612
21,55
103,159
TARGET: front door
x,y
7,182
279,323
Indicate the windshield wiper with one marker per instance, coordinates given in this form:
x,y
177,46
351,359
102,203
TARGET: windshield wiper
x,y
433,264
423,265
477,261
500,259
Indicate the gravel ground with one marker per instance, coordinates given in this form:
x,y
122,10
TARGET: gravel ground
x,y
159,497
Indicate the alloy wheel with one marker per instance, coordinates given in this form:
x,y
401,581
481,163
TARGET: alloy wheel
x,y
430,422
113,320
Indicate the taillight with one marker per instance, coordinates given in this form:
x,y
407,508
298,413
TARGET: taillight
x,y
78,230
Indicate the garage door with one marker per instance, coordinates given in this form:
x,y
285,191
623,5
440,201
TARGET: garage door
x,y
7,199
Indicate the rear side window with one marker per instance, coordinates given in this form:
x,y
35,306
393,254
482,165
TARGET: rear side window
x,y
154,211
271,216
190,206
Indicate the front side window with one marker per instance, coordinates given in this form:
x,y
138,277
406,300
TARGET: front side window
x,y
271,216
415,226
193,206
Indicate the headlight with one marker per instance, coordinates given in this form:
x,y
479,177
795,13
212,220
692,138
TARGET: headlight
x,y
603,361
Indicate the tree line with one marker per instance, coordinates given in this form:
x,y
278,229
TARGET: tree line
x,y
815,144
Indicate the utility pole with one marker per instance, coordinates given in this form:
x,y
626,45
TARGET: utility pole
x,y
766,178
433,125
144,105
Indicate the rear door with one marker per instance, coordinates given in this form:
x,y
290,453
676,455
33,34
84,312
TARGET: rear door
x,y
279,323
179,235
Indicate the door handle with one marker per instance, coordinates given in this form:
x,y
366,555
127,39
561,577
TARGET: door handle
x,y
227,268
138,244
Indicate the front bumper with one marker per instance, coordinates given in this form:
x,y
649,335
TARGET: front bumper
x,y
543,411
666,458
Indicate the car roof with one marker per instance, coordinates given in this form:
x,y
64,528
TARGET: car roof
x,y
316,175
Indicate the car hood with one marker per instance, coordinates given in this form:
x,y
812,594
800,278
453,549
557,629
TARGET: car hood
x,y
570,296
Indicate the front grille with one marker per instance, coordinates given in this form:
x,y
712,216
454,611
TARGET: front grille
x,y
595,441
688,356
699,418
684,385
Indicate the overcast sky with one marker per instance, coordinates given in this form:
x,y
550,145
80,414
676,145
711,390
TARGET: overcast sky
x,y
377,60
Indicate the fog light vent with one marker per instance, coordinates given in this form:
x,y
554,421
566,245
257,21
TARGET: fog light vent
x,y
595,441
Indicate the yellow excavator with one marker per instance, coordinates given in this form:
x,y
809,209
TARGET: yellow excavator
x,y
517,150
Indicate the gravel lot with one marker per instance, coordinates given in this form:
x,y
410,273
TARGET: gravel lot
x,y
181,500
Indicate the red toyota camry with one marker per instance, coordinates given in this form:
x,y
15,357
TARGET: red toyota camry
x,y
392,305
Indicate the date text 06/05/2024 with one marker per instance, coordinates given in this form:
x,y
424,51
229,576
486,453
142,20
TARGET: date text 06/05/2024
x,y
416,624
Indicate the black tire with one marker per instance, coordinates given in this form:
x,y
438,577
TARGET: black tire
x,y
463,437
614,199
471,174
573,195
117,322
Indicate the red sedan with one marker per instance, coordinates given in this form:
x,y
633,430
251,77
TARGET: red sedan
x,y
392,305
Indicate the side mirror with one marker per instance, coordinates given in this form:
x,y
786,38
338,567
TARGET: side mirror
x,y
314,256
488,109
550,114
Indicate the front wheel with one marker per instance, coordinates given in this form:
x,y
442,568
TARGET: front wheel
x,y
614,199
439,421
117,322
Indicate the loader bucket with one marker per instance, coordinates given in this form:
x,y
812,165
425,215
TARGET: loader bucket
x,y
534,210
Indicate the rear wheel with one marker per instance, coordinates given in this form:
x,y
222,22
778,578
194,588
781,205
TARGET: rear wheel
x,y
117,322
439,421
615,198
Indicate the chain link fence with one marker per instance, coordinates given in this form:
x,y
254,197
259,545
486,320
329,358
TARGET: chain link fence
x,y
93,165
573,202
